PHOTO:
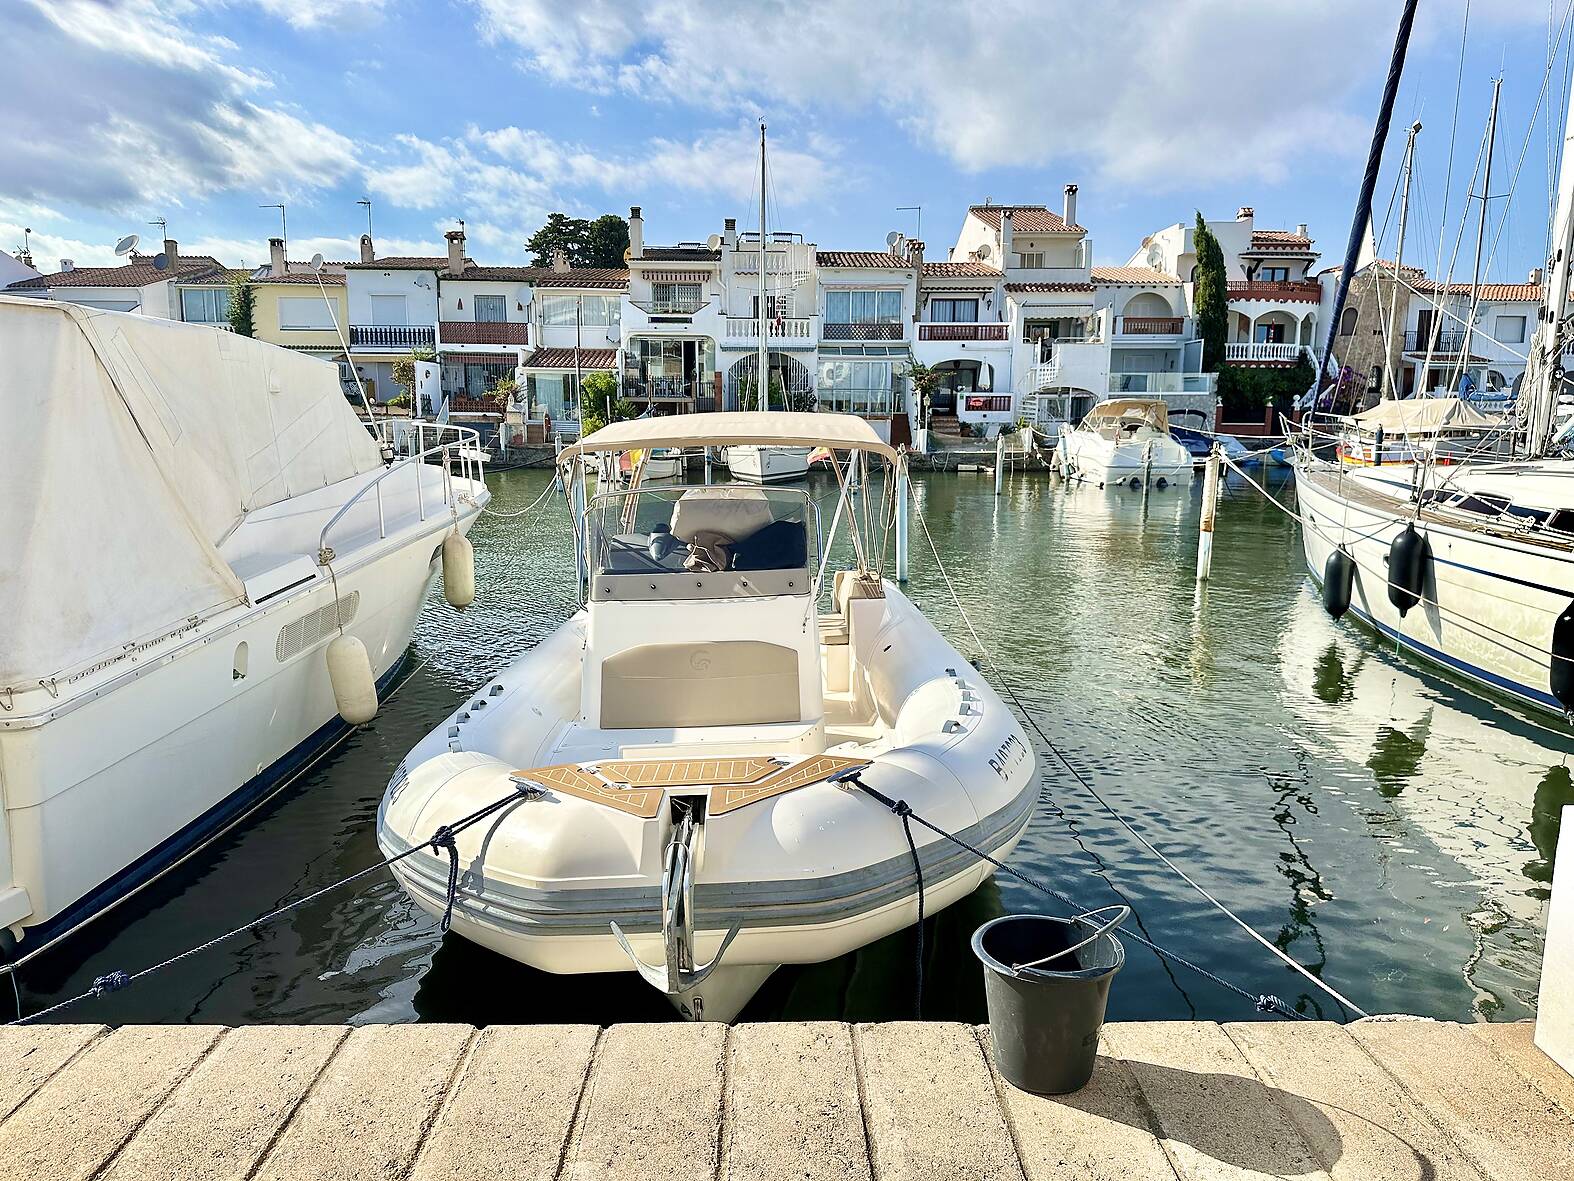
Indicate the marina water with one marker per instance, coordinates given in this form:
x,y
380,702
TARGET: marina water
x,y
1382,825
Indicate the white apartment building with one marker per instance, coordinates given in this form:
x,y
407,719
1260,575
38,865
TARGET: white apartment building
x,y
147,284
1453,328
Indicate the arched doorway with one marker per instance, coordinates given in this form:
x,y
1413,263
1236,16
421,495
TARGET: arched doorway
x,y
959,378
791,383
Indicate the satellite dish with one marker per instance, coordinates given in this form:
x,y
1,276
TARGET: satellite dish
x,y
714,242
1155,256
161,262
628,253
316,263
126,245
983,250
892,240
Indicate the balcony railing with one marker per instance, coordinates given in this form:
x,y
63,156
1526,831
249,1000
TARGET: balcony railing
x,y
664,389
936,331
834,331
1285,291
1149,325
393,336
669,307
1163,383
987,403
1262,351
1437,341
472,332
781,328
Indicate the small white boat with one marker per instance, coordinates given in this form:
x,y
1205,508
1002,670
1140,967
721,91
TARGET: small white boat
x,y
683,748
1124,441
768,465
656,464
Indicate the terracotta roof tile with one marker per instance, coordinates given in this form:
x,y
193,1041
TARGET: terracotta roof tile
x,y
1132,275
397,262
872,260
679,254
1280,240
960,270
1502,292
1047,288
605,278
139,272
564,359
1025,219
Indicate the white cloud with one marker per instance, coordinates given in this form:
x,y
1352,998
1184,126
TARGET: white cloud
x,y
116,103
311,15
1160,92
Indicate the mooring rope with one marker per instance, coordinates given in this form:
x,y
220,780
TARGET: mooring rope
x,y
1032,720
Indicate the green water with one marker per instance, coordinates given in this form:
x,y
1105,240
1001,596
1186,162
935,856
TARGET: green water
x,y
1383,825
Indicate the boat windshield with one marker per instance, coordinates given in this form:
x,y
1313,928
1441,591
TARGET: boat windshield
x,y
702,542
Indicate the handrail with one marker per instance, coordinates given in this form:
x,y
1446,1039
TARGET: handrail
x,y
472,467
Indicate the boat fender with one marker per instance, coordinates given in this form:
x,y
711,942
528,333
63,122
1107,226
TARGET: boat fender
x,y
1338,581
350,673
1136,482
1407,559
458,571
1562,672
1161,483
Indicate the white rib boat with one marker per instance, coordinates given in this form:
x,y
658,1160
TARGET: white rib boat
x,y
191,519
1124,441
688,743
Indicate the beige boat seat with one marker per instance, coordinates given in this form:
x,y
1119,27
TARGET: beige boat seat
x,y
836,626
714,683
731,512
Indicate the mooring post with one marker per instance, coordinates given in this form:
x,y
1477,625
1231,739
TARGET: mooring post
x,y
1555,1007
707,465
1210,508
1000,460
901,515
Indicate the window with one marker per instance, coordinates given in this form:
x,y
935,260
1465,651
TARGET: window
x,y
490,309
863,307
305,312
1347,322
1269,334
860,387
594,311
209,305
953,311
1273,274
677,298
776,306
1509,330
1033,259
389,310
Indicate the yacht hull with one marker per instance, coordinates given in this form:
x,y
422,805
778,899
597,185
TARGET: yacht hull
x,y
767,465
1087,458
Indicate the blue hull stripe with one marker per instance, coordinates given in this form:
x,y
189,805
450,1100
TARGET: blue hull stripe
x,y
205,827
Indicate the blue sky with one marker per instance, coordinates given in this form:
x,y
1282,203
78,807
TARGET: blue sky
x,y
498,111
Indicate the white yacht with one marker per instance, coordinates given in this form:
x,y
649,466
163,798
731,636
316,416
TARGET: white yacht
x,y
685,753
191,519
768,465
1124,441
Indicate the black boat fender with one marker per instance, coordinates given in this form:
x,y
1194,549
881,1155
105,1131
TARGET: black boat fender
x,y
1407,562
1561,673
1338,581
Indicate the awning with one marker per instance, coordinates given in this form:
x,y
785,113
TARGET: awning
x,y
564,359
777,428
1426,416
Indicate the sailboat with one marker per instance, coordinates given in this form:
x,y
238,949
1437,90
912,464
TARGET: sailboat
x,y
1468,565
751,463
681,761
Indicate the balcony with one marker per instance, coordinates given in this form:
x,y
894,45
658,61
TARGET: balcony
x,y
1149,325
986,403
1263,351
1439,342
1163,383
466,332
393,337
937,331
781,328
836,331
669,307
1291,291
664,389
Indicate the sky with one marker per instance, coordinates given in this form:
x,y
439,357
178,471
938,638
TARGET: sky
x,y
120,112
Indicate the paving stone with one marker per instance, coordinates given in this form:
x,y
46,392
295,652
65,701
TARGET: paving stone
x,y
792,1104
1103,1132
371,1105
510,1112
1515,1130
930,1104
652,1105
219,1121
1514,1041
76,1121
1218,1119
31,1054
1360,1121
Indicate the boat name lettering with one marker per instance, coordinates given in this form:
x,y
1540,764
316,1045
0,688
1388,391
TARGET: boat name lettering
x,y
1007,755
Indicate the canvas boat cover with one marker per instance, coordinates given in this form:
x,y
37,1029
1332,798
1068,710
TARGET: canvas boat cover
x,y
135,446
1425,416
774,428
1152,411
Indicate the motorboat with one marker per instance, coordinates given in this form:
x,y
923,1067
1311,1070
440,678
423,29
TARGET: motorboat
x,y
768,465
194,520
1124,442
662,463
1201,442
686,754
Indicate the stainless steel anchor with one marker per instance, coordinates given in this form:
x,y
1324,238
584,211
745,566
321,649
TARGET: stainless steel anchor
x,y
680,974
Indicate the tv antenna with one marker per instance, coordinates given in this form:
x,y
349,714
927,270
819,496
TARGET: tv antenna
x,y
163,226
284,226
367,202
918,230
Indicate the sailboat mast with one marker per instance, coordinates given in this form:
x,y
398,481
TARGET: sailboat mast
x,y
1481,235
1392,384
1544,376
765,353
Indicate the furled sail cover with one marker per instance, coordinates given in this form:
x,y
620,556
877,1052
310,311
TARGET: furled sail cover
x,y
133,447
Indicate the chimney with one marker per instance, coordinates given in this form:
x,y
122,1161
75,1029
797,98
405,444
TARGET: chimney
x,y
456,252
367,253
559,260
636,233
1245,213
1070,214
1006,226
276,263
729,231
1535,276
1300,229
915,259
67,265
172,255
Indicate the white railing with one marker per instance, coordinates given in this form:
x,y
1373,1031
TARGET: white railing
x,y
1262,351
1044,374
411,445
1163,383
783,327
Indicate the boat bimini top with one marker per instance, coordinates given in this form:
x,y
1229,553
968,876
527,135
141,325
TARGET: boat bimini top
x,y
776,428
1129,413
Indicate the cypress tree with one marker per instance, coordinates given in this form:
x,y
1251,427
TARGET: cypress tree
x,y
1211,296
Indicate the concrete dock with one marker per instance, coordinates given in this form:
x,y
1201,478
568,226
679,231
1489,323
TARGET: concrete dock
x,y
1374,1101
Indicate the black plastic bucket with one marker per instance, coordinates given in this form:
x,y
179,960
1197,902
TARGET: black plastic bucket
x,y
1046,981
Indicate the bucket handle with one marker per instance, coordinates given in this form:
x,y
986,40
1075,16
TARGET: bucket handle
x,y
1122,914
